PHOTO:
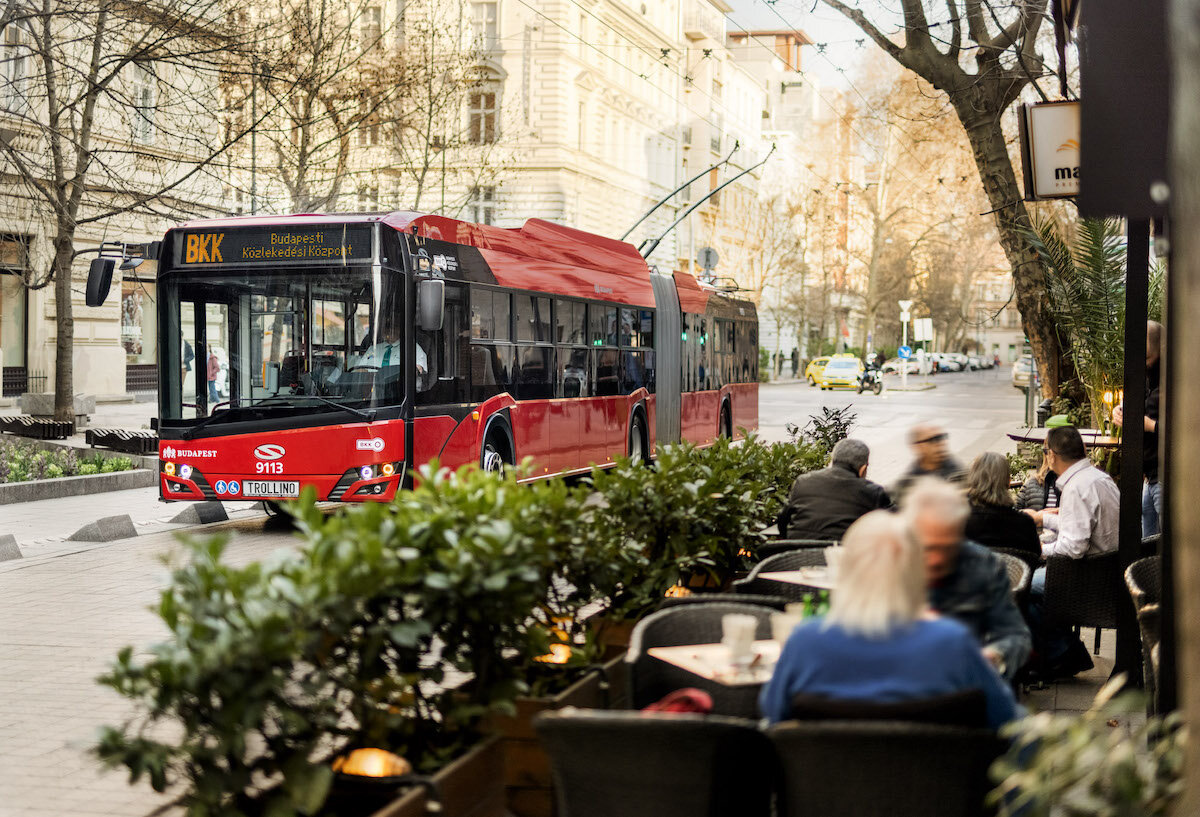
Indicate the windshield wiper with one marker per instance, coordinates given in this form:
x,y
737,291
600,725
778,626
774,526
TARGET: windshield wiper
x,y
369,416
190,432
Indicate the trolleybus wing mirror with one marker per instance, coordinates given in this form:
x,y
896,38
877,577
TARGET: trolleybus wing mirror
x,y
99,280
431,304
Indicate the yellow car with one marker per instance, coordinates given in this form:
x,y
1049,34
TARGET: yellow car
x,y
812,372
842,373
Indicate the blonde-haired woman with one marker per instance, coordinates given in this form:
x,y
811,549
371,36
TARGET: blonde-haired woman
x,y
876,644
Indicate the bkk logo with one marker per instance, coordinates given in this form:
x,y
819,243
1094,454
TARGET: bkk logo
x,y
373,444
269,451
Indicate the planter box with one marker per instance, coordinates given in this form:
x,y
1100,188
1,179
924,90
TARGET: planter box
x,y
527,777
472,786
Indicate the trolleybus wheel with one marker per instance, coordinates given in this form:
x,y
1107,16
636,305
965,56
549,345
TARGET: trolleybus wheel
x,y
637,440
496,457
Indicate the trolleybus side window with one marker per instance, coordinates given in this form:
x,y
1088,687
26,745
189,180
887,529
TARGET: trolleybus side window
x,y
606,369
448,354
493,358
570,320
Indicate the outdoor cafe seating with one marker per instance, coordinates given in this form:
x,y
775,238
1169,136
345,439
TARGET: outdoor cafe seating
x,y
788,562
635,764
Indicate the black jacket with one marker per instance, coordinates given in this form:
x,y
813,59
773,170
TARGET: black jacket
x,y
997,527
824,503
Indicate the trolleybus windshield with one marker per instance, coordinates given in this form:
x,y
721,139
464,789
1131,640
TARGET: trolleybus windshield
x,y
252,343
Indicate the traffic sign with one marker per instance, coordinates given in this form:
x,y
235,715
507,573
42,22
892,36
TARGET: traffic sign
x,y
904,352
707,258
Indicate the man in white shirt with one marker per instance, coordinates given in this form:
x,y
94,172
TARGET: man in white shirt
x,y
387,352
1089,509
1085,523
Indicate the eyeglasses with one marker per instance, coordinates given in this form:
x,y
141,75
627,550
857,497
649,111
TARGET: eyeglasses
x,y
936,438
1046,451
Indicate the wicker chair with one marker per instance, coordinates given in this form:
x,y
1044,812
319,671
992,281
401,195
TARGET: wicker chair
x,y
777,546
651,678
1144,580
1084,592
778,603
791,560
1019,574
883,768
1033,560
966,708
628,764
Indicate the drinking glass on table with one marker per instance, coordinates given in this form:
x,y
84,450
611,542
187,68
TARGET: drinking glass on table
x,y
738,631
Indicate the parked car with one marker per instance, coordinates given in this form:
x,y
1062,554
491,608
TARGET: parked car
x,y
842,373
1022,372
947,362
961,360
900,364
975,363
812,372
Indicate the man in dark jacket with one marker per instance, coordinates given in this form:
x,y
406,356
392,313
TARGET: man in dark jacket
x,y
1152,489
824,503
932,458
966,581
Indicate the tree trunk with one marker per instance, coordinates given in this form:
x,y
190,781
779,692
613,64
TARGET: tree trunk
x,y
1182,416
1004,195
64,320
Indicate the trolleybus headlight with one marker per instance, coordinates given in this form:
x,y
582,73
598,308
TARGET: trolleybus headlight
x,y
366,472
185,471
388,469
169,469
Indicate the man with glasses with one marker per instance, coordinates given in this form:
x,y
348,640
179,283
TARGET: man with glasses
x,y
1084,523
932,458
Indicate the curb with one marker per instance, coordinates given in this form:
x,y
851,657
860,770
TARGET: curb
x,y
76,486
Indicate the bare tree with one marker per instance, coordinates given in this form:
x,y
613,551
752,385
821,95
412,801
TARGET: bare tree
x,y
105,112
999,44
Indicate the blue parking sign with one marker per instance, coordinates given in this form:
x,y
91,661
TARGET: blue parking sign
x,y
904,352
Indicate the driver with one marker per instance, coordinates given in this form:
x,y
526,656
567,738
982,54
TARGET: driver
x,y
387,352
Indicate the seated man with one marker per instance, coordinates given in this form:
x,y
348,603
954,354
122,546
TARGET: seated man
x,y
387,352
822,504
966,581
1086,522
933,459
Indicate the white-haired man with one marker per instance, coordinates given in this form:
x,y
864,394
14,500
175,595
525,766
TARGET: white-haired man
x,y
966,581
823,504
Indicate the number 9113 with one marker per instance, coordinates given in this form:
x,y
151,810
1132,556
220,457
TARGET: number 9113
x,y
268,467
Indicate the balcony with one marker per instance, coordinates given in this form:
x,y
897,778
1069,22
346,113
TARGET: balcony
x,y
701,21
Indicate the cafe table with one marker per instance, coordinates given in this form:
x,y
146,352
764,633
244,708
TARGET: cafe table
x,y
1092,437
817,577
734,690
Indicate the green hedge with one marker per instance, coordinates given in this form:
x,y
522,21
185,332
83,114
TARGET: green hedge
x,y
353,640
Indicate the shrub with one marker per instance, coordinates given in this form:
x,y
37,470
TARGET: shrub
x,y
21,461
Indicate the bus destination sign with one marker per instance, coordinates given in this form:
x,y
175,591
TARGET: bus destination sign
x,y
347,242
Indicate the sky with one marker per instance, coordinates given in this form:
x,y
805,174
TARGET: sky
x,y
822,25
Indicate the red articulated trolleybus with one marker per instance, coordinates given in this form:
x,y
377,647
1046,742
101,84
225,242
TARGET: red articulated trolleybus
x,y
351,348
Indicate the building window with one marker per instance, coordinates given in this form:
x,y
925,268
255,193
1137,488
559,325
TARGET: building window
x,y
486,30
144,105
372,26
368,200
482,206
14,68
482,125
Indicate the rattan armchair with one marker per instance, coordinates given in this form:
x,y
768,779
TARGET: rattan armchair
x,y
1019,574
777,546
791,560
1084,592
1144,580
882,768
629,764
651,678
777,603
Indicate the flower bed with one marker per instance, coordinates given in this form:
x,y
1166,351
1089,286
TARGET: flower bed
x,y
23,461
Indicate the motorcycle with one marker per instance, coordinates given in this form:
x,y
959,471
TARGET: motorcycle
x,y
871,379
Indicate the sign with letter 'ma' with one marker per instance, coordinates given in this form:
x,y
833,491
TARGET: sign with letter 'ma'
x,y
1050,150
336,243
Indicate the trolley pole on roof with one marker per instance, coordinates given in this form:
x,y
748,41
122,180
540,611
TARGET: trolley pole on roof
x,y
668,197
650,245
